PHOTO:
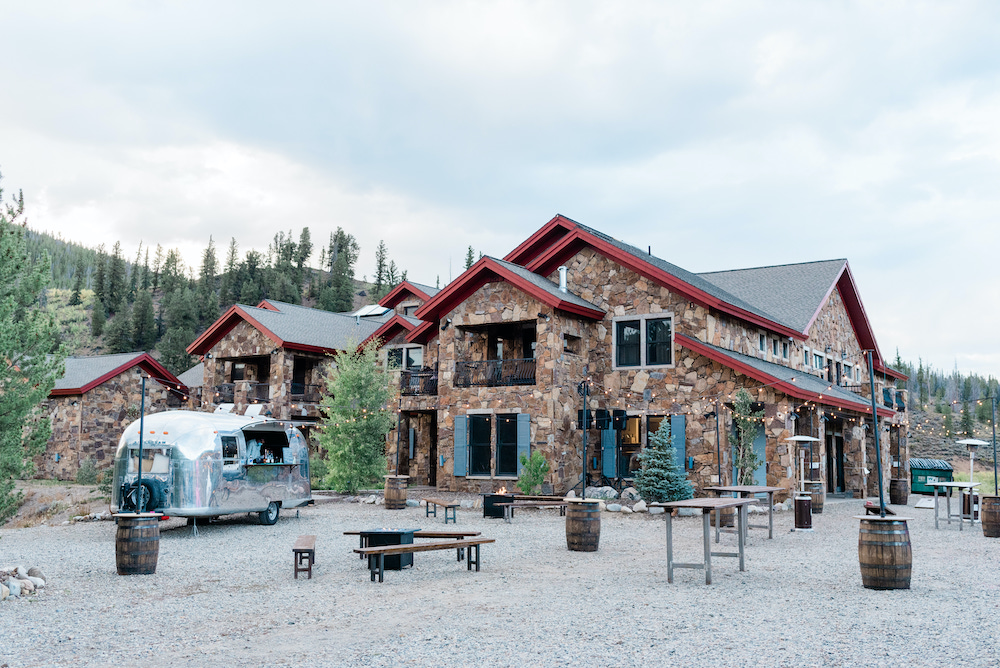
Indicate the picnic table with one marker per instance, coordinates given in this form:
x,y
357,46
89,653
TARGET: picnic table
x,y
964,488
707,506
748,491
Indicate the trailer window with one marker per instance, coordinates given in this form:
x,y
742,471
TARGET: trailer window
x,y
230,450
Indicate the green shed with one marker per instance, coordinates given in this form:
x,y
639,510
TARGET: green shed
x,y
925,472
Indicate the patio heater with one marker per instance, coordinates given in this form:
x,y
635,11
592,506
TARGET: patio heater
x,y
972,444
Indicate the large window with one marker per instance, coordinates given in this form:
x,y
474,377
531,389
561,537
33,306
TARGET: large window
x,y
644,341
406,358
479,444
507,444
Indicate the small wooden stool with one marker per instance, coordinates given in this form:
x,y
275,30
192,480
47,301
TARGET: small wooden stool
x,y
304,555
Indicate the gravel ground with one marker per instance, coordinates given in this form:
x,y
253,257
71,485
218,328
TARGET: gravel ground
x,y
227,597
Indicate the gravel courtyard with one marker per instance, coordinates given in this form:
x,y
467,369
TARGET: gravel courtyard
x,y
227,597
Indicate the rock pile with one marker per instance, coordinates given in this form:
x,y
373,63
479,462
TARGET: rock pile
x,y
16,581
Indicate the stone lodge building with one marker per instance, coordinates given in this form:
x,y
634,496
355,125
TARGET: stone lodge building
x,y
271,359
93,402
492,368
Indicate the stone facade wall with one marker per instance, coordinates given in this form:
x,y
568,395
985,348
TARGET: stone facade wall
x,y
91,428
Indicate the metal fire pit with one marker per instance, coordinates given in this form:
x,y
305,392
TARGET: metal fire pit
x,y
490,509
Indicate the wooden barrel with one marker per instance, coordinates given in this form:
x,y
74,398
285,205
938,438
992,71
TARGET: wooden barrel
x,y
989,513
803,512
899,491
817,492
975,505
884,553
583,526
137,543
727,517
395,491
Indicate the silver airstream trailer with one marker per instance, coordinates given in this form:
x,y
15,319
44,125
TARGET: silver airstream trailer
x,y
210,464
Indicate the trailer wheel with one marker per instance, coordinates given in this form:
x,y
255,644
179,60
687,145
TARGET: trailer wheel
x,y
148,496
269,516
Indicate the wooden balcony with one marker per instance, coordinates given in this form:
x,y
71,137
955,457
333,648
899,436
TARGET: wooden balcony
x,y
495,373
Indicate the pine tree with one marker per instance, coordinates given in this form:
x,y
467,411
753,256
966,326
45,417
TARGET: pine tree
x,y
97,317
208,298
227,289
116,286
133,275
381,269
145,271
75,299
358,418
344,250
181,320
470,258
118,333
157,265
31,360
99,273
967,426
144,322
302,253
660,477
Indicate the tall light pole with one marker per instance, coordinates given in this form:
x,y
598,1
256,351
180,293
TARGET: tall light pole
x,y
878,451
139,501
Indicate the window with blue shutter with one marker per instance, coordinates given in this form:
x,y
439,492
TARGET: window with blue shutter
x,y
609,459
523,439
461,444
678,438
413,438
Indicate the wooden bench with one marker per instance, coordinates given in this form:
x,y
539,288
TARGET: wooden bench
x,y
304,555
447,505
510,505
376,555
457,535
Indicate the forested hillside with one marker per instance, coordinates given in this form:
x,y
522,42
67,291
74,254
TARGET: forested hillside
x,y
107,303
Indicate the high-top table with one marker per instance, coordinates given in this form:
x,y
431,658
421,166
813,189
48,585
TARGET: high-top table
x,y
707,506
747,491
963,487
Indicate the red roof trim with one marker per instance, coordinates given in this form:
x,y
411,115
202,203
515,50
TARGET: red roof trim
x,y
550,233
398,294
396,322
789,388
422,333
264,304
487,270
155,370
225,324
572,243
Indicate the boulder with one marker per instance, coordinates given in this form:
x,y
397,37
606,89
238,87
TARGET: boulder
x,y
630,494
605,492
639,507
13,587
26,586
571,494
4,592
614,507
38,582
467,504
36,572
22,572
370,499
656,511
626,510
412,503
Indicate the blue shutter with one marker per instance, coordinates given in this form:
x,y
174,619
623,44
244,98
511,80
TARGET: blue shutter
x,y
523,439
759,445
678,438
609,456
461,445
413,438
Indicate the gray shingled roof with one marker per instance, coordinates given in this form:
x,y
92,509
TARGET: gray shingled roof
x,y
683,274
193,377
83,370
425,288
806,381
313,327
546,284
790,293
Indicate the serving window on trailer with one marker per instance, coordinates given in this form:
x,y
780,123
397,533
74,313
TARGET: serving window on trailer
x,y
268,446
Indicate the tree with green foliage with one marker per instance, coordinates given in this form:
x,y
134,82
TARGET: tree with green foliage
x,y
208,298
302,252
144,322
660,477
118,332
157,265
76,298
966,423
470,258
357,406
30,360
99,276
133,275
116,290
533,473
381,270
145,271
97,317
748,424
181,317
342,255
227,287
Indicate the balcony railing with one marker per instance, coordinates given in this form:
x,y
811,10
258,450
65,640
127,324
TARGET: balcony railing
x,y
225,393
494,373
412,383
308,394
259,392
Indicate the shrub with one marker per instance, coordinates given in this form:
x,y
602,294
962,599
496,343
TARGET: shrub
x,y
535,468
87,473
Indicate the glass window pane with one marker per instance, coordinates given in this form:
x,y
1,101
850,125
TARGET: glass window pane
x,y
658,349
414,358
395,358
627,343
506,445
479,444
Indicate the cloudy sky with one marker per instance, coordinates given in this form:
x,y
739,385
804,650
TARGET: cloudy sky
x,y
722,134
